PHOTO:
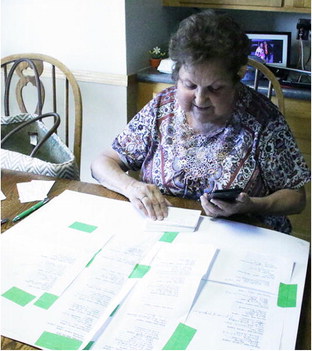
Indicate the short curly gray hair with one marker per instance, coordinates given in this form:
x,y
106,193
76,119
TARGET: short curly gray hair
x,y
205,36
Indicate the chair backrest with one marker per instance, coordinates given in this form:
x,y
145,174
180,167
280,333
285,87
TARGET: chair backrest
x,y
56,91
273,83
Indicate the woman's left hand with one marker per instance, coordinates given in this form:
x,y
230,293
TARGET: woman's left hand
x,y
220,208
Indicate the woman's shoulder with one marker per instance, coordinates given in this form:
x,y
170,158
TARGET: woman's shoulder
x,y
162,105
166,96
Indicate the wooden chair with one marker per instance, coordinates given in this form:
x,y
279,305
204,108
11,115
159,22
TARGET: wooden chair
x,y
56,91
273,83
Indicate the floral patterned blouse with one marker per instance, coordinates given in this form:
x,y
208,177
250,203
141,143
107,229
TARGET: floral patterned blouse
x,y
254,151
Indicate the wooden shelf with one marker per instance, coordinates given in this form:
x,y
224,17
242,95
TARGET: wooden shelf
x,y
291,6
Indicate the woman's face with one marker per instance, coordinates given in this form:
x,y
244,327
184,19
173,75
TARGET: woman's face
x,y
206,92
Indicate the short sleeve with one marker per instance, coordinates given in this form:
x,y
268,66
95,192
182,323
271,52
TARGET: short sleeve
x,y
282,164
134,142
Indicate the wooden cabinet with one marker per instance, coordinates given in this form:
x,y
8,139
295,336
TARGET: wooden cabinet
x,y
274,3
146,91
298,115
302,6
298,4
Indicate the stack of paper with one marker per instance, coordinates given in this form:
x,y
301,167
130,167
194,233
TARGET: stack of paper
x,y
178,220
34,190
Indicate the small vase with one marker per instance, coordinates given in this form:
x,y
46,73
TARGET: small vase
x,y
154,62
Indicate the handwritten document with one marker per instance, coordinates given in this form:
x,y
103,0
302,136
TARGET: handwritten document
x,y
163,296
98,289
238,318
43,267
251,270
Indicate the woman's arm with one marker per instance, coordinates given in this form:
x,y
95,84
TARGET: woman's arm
x,y
110,171
281,202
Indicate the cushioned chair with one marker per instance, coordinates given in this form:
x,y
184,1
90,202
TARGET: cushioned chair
x,y
273,82
56,90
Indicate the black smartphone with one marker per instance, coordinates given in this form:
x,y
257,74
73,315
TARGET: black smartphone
x,y
225,194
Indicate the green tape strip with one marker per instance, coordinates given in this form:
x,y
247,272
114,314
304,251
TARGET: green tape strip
x,y
89,345
115,310
46,300
168,237
181,337
57,342
287,295
88,264
83,227
18,296
139,271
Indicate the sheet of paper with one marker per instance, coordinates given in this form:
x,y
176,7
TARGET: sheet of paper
x,y
35,190
162,297
77,220
251,270
234,318
39,269
179,219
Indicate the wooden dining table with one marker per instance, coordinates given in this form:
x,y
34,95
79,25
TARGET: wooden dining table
x,y
11,206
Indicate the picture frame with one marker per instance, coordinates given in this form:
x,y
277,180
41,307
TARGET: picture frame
x,y
272,47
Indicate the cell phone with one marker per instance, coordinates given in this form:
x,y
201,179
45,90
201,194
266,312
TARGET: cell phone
x,y
225,194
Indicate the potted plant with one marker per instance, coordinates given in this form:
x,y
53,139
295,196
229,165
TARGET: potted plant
x,y
156,55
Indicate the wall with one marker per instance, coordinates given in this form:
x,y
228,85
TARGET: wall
x,y
84,34
147,26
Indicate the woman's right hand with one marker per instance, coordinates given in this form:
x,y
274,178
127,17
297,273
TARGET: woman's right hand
x,y
148,199
110,171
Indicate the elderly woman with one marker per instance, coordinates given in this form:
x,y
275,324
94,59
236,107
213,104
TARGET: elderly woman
x,y
209,132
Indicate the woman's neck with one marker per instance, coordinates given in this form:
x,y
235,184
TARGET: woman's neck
x,y
202,127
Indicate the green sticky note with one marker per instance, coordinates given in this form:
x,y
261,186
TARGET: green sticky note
x,y
57,342
18,296
168,237
46,300
83,227
287,295
139,271
181,337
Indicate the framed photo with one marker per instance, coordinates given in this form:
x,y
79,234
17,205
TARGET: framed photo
x,y
272,47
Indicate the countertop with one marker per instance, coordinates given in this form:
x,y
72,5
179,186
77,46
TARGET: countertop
x,y
152,75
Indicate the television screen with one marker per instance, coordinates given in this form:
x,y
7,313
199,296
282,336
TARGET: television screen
x,y
273,48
